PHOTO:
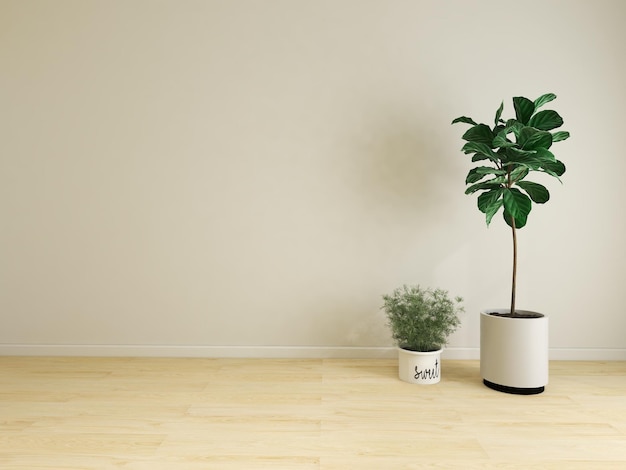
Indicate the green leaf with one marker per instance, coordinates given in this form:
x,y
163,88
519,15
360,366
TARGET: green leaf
x,y
514,126
537,192
477,157
492,210
512,152
498,114
480,133
488,198
517,205
465,119
524,157
478,173
488,170
490,184
543,99
499,128
556,168
539,140
501,141
524,109
532,139
560,135
519,173
480,149
545,156
546,120
519,222
473,176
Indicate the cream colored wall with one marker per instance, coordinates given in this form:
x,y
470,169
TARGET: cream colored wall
x,y
258,173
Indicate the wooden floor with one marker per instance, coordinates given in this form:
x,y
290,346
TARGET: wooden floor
x,y
191,414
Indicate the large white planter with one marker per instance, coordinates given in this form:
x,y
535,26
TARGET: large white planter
x,y
419,367
514,352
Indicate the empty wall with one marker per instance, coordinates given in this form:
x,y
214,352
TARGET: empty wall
x,y
194,177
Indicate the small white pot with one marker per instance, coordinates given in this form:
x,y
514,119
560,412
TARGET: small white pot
x,y
419,367
514,352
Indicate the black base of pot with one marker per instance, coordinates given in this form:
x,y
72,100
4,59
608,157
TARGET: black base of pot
x,y
514,390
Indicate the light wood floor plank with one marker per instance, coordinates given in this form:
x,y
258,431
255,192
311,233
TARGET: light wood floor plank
x,y
325,414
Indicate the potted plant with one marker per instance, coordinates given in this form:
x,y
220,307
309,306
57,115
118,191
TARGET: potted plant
x,y
421,321
513,343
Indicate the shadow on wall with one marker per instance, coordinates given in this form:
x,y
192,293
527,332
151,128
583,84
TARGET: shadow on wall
x,y
370,330
404,168
398,180
354,325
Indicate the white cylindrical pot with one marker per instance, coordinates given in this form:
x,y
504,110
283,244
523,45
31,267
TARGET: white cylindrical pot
x,y
514,352
419,367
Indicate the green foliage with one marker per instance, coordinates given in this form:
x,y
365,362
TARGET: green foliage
x,y
421,319
514,149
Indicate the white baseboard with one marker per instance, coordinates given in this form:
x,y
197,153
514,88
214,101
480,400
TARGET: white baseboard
x,y
587,354
555,354
278,352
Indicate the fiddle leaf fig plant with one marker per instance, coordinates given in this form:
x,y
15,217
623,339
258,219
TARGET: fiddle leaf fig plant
x,y
509,152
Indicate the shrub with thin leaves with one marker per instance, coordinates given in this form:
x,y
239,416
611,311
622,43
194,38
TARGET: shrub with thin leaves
x,y
421,319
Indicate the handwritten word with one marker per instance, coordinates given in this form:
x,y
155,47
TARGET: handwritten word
x,y
427,374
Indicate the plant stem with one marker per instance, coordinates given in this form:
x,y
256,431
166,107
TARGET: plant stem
x,y
514,281
514,232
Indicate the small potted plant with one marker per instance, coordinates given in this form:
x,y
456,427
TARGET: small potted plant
x,y
420,321
513,342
